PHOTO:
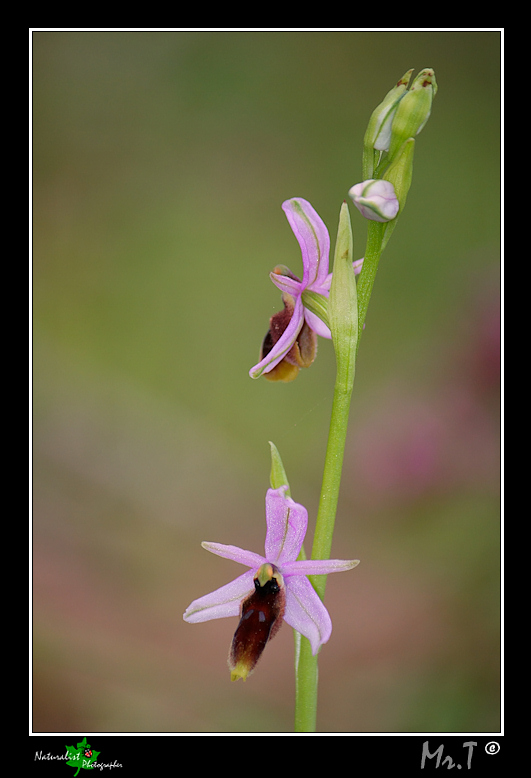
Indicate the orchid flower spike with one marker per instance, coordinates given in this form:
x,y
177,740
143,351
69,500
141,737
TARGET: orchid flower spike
x,y
291,341
274,589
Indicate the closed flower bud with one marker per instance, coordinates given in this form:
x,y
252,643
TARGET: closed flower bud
x,y
378,133
375,199
413,110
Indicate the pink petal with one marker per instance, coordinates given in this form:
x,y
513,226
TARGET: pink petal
x,y
287,522
240,555
318,566
287,284
284,343
317,324
306,613
311,232
223,602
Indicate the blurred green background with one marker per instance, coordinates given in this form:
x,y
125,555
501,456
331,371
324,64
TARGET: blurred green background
x,y
160,162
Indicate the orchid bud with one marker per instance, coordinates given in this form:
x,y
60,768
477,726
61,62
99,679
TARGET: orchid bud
x,y
378,133
412,111
375,199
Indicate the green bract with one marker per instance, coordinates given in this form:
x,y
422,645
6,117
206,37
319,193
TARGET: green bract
x,y
343,301
278,476
399,173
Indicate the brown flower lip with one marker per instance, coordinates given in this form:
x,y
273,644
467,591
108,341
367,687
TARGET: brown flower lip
x,y
260,620
301,354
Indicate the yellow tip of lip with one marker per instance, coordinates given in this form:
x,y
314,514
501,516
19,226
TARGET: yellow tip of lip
x,y
240,671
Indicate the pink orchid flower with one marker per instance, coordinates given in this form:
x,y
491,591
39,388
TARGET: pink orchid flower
x,y
291,341
275,588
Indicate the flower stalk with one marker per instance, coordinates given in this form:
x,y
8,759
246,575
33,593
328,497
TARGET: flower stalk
x,y
343,319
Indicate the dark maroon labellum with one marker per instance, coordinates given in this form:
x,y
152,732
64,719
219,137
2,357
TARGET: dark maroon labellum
x,y
260,620
301,354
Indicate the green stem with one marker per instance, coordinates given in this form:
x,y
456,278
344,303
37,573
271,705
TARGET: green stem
x,y
305,685
343,320
335,450
306,670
